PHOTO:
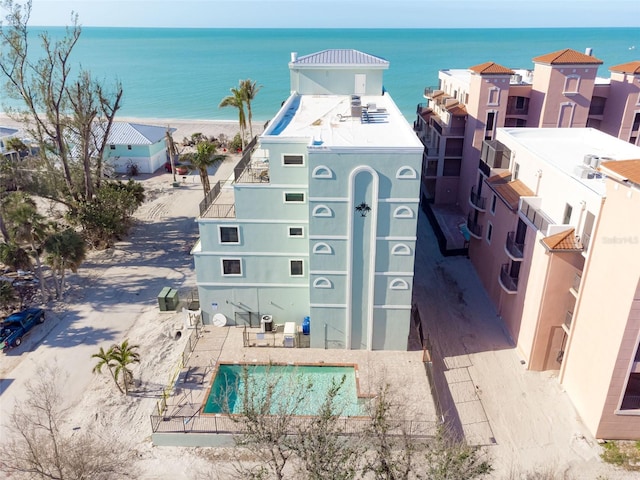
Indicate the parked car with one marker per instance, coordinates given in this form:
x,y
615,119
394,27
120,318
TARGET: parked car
x,y
17,325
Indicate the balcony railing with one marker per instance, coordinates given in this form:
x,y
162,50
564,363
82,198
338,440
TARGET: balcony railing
x,y
568,318
475,229
535,215
508,283
220,210
514,249
477,201
576,282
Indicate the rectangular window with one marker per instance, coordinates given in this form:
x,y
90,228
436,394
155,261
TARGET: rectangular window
x,y
516,170
489,232
493,204
295,268
112,146
567,214
231,266
451,167
490,125
294,197
494,96
293,160
128,147
296,231
229,234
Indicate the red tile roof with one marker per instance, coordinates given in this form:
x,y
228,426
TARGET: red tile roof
x,y
567,57
491,68
627,169
631,67
563,242
457,110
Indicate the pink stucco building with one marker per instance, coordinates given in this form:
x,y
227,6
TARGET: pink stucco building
x,y
549,216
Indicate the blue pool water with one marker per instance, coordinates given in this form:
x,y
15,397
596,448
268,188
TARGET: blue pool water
x,y
286,382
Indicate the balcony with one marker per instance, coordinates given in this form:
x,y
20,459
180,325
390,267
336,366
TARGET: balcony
x,y
475,229
514,249
575,286
476,201
568,319
508,283
494,155
530,209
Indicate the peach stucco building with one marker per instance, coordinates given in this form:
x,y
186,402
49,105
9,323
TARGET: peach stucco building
x,y
559,257
535,174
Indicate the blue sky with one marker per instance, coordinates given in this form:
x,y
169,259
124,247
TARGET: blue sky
x,y
336,13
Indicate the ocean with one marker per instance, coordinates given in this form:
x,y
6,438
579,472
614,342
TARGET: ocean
x,y
185,73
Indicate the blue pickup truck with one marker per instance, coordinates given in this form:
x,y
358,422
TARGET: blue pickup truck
x,y
17,325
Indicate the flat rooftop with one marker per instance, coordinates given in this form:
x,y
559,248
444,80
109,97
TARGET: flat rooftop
x,y
326,121
565,149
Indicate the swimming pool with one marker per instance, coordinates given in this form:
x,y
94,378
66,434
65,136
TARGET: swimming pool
x,y
281,383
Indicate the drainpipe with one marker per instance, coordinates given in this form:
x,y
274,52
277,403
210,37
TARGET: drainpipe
x,y
583,207
539,176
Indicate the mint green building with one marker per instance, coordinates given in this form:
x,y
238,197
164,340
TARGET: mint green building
x,y
135,143
320,219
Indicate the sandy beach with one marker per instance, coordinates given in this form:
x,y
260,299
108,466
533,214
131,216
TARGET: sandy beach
x,y
184,128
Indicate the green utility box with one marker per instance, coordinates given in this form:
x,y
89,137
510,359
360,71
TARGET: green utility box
x,y
162,299
172,300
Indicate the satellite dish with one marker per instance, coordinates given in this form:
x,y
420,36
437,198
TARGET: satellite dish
x,y
219,320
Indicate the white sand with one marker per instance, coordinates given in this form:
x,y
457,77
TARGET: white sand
x,y
184,128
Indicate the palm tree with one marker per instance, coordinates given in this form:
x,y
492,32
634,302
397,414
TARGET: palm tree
x,y
64,250
203,158
236,100
249,91
123,356
105,359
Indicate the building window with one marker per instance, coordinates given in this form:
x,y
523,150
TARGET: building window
x,y
490,125
521,103
401,249
232,267
295,268
322,211
322,282
493,204
451,167
516,170
322,248
565,116
406,172
291,197
322,171
571,84
403,212
293,160
399,284
566,219
494,96
296,231
112,146
229,234
128,147
489,232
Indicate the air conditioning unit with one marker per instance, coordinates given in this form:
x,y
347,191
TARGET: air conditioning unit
x,y
266,323
588,158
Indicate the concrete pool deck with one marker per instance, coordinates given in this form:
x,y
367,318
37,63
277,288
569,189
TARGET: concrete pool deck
x,y
404,372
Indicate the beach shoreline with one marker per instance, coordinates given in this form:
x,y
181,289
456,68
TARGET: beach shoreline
x,y
183,128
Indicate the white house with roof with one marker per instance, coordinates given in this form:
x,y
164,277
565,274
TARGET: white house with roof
x,y
134,143
320,219
6,133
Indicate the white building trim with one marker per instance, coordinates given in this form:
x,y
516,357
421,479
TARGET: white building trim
x,y
392,307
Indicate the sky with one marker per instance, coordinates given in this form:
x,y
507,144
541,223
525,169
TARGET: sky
x,y
339,13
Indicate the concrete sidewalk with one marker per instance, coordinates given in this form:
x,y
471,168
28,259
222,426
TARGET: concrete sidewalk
x,y
524,418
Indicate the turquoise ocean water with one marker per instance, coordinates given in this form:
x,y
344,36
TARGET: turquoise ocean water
x,y
184,73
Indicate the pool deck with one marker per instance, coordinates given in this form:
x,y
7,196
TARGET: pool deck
x,y
404,372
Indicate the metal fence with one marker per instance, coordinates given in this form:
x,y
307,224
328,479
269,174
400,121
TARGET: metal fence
x,y
192,340
234,424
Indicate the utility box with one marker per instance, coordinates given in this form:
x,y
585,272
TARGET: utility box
x,y
172,300
162,299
